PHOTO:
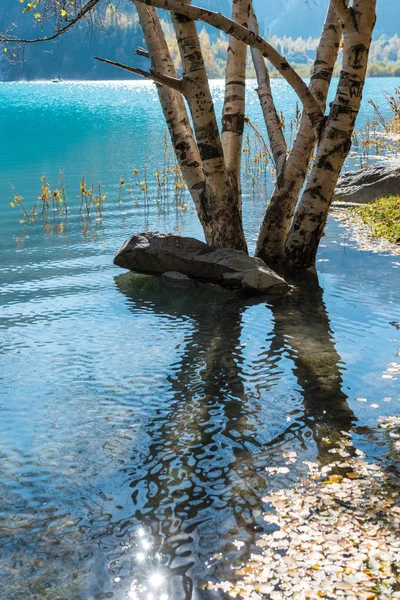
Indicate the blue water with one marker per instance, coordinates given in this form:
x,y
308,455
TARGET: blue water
x,y
136,420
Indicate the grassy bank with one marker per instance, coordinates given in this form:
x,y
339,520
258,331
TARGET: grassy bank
x,y
383,217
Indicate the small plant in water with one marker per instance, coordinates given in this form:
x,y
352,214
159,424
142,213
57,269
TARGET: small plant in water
x,y
168,190
28,216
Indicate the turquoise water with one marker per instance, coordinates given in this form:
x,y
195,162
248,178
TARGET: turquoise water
x,y
136,420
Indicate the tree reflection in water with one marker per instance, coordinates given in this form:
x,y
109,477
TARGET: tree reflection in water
x,y
198,484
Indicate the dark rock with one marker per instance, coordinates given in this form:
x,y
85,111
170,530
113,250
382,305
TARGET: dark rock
x,y
163,253
368,185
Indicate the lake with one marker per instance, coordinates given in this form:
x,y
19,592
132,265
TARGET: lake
x,y
136,419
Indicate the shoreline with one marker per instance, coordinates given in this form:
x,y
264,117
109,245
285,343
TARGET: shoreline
x,y
360,232
250,76
334,534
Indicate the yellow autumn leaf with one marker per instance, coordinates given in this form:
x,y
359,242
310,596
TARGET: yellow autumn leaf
x,y
63,13
333,479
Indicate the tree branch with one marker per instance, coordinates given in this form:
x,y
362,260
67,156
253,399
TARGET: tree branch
x,y
172,82
142,52
84,11
243,34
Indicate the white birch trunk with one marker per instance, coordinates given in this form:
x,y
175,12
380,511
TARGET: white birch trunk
x,y
221,198
235,96
290,180
310,219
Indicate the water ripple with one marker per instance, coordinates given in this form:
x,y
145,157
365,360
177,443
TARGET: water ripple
x,y
137,419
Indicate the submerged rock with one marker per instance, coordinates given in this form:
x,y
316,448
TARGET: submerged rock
x,y
161,253
179,279
367,185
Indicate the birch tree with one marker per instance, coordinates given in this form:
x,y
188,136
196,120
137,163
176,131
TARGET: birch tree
x,y
210,157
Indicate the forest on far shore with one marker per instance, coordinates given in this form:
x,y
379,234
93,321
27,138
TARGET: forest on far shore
x,y
71,57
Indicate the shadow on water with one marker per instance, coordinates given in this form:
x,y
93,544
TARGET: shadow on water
x,y
198,485
302,323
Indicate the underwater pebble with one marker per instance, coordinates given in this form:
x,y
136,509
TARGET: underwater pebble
x,y
339,536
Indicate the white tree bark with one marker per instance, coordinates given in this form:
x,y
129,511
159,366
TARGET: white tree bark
x,y
175,113
310,219
221,197
235,96
290,180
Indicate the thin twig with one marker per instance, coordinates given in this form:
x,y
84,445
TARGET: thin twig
x,y
86,9
171,82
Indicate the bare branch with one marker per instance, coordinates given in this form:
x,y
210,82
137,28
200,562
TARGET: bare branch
x,y
172,82
84,11
243,34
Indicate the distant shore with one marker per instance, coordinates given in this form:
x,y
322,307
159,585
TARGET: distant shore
x,y
274,75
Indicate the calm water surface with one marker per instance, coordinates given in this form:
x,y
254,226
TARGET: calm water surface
x,y
136,419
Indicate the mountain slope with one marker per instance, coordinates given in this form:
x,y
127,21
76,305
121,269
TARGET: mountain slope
x,y
72,56
297,18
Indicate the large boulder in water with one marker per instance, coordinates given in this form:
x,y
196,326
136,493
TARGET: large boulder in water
x,y
368,185
160,253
